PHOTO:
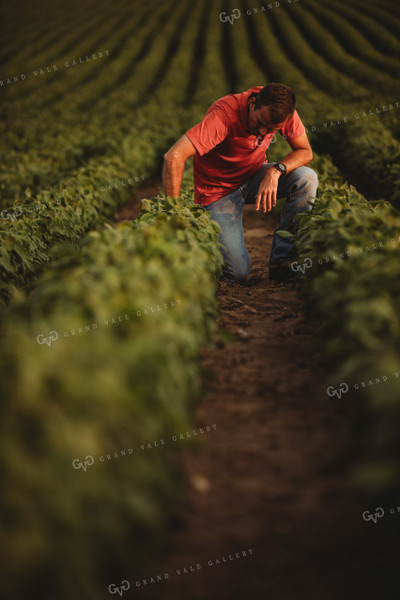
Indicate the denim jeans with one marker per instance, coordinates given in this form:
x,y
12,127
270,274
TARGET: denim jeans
x,y
298,186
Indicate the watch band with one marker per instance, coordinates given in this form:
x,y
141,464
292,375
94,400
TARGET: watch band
x,y
281,167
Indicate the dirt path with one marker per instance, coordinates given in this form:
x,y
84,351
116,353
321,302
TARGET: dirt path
x,y
264,497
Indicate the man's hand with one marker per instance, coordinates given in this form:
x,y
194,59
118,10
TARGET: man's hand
x,y
267,190
174,163
301,155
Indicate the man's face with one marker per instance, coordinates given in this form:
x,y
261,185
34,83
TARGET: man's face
x,y
259,121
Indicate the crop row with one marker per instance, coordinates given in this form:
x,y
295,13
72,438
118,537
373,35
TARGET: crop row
x,y
386,13
74,136
372,23
330,49
28,239
59,139
352,41
28,235
28,29
78,137
366,148
313,66
348,250
75,33
103,358
120,139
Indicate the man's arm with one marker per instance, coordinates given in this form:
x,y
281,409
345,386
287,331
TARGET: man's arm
x,y
301,155
174,163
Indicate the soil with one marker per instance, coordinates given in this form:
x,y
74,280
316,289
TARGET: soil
x,y
267,496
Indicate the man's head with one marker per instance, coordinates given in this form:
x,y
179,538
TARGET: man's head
x,y
271,108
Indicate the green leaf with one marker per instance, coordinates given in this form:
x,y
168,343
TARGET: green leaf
x,y
285,234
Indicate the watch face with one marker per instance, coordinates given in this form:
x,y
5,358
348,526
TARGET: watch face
x,y
282,168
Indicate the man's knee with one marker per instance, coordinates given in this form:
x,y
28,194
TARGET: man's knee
x,y
237,274
308,178
306,181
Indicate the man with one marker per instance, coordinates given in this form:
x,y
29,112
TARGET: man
x,y
230,168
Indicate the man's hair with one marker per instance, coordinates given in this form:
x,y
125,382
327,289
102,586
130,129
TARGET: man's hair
x,y
280,99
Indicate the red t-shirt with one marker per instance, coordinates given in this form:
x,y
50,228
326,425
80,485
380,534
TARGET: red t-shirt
x,y
227,155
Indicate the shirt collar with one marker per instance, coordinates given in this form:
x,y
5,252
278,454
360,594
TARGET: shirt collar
x,y
243,114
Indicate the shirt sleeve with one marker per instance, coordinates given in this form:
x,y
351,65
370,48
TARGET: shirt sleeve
x,y
210,132
293,129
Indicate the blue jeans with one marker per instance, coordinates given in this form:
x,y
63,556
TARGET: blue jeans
x,y
298,186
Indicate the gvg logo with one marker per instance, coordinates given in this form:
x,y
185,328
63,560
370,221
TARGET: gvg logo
x,y
17,212
77,464
125,586
343,389
378,514
307,264
53,337
223,17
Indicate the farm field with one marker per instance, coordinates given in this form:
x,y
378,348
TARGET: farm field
x,y
118,338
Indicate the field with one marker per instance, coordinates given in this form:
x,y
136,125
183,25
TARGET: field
x,y
154,418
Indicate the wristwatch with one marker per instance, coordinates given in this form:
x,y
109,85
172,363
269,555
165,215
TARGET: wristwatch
x,y
281,168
